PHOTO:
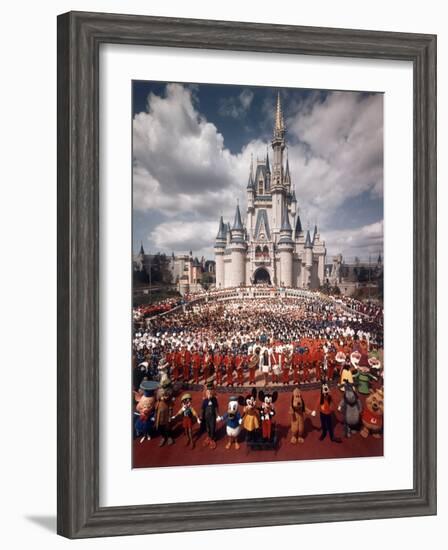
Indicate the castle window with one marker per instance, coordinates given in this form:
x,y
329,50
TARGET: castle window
x,y
265,252
260,187
258,252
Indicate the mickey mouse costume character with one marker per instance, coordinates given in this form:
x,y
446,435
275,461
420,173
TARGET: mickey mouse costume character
x,y
267,412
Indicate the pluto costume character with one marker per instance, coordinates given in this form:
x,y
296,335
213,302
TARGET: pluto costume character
x,y
297,411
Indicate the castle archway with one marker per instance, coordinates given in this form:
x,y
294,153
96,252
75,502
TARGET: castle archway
x,y
262,277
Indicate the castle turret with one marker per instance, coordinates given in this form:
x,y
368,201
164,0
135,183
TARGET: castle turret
x,y
285,248
238,248
268,173
308,260
293,203
220,245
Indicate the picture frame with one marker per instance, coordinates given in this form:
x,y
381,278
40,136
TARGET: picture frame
x,y
80,35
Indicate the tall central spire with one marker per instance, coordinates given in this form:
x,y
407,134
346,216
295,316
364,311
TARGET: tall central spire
x,y
279,127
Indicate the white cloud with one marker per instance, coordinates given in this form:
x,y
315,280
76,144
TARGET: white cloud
x,y
362,241
339,153
181,237
183,170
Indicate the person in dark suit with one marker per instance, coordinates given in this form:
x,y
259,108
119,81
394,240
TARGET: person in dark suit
x,y
209,415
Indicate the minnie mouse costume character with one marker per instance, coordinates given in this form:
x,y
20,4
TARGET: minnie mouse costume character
x,y
251,415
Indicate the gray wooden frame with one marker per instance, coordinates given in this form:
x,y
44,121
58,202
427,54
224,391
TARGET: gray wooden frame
x,y
79,38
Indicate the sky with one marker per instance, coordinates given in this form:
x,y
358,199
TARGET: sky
x,y
192,147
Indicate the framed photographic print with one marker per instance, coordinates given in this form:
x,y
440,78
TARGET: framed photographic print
x,y
246,274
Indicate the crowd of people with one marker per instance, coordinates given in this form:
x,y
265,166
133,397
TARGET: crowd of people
x,y
247,341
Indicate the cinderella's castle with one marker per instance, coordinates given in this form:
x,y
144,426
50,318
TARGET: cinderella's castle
x,y
271,247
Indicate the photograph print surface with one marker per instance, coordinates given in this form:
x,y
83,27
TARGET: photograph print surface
x,y
257,274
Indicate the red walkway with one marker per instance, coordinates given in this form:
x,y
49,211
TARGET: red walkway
x,y
149,454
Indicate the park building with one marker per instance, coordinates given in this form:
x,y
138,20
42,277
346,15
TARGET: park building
x,y
270,246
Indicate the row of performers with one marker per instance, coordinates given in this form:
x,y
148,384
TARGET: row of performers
x,y
234,369
155,415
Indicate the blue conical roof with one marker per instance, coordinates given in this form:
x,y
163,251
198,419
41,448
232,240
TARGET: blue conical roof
x,y
308,243
298,226
286,226
221,231
237,223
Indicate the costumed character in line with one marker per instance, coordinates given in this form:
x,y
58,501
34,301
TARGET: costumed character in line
x,y
189,417
145,410
164,410
267,412
326,408
297,411
209,415
372,415
346,372
232,420
350,407
363,375
251,416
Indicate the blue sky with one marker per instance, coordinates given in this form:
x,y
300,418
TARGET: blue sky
x,y
191,155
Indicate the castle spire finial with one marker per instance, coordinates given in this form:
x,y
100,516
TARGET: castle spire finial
x,y
279,123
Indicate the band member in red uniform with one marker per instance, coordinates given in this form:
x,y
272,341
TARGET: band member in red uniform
x,y
296,360
177,364
218,374
286,365
196,363
331,366
239,366
306,372
208,359
276,363
228,363
253,364
185,361
217,362
206,362
319,371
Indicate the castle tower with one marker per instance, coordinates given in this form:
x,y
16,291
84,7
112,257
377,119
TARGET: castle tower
x,y
238,248
285,248
278,189
250,198
220,245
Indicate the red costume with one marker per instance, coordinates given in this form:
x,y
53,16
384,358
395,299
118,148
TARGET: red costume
x,y
239,364
228,362
196,360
